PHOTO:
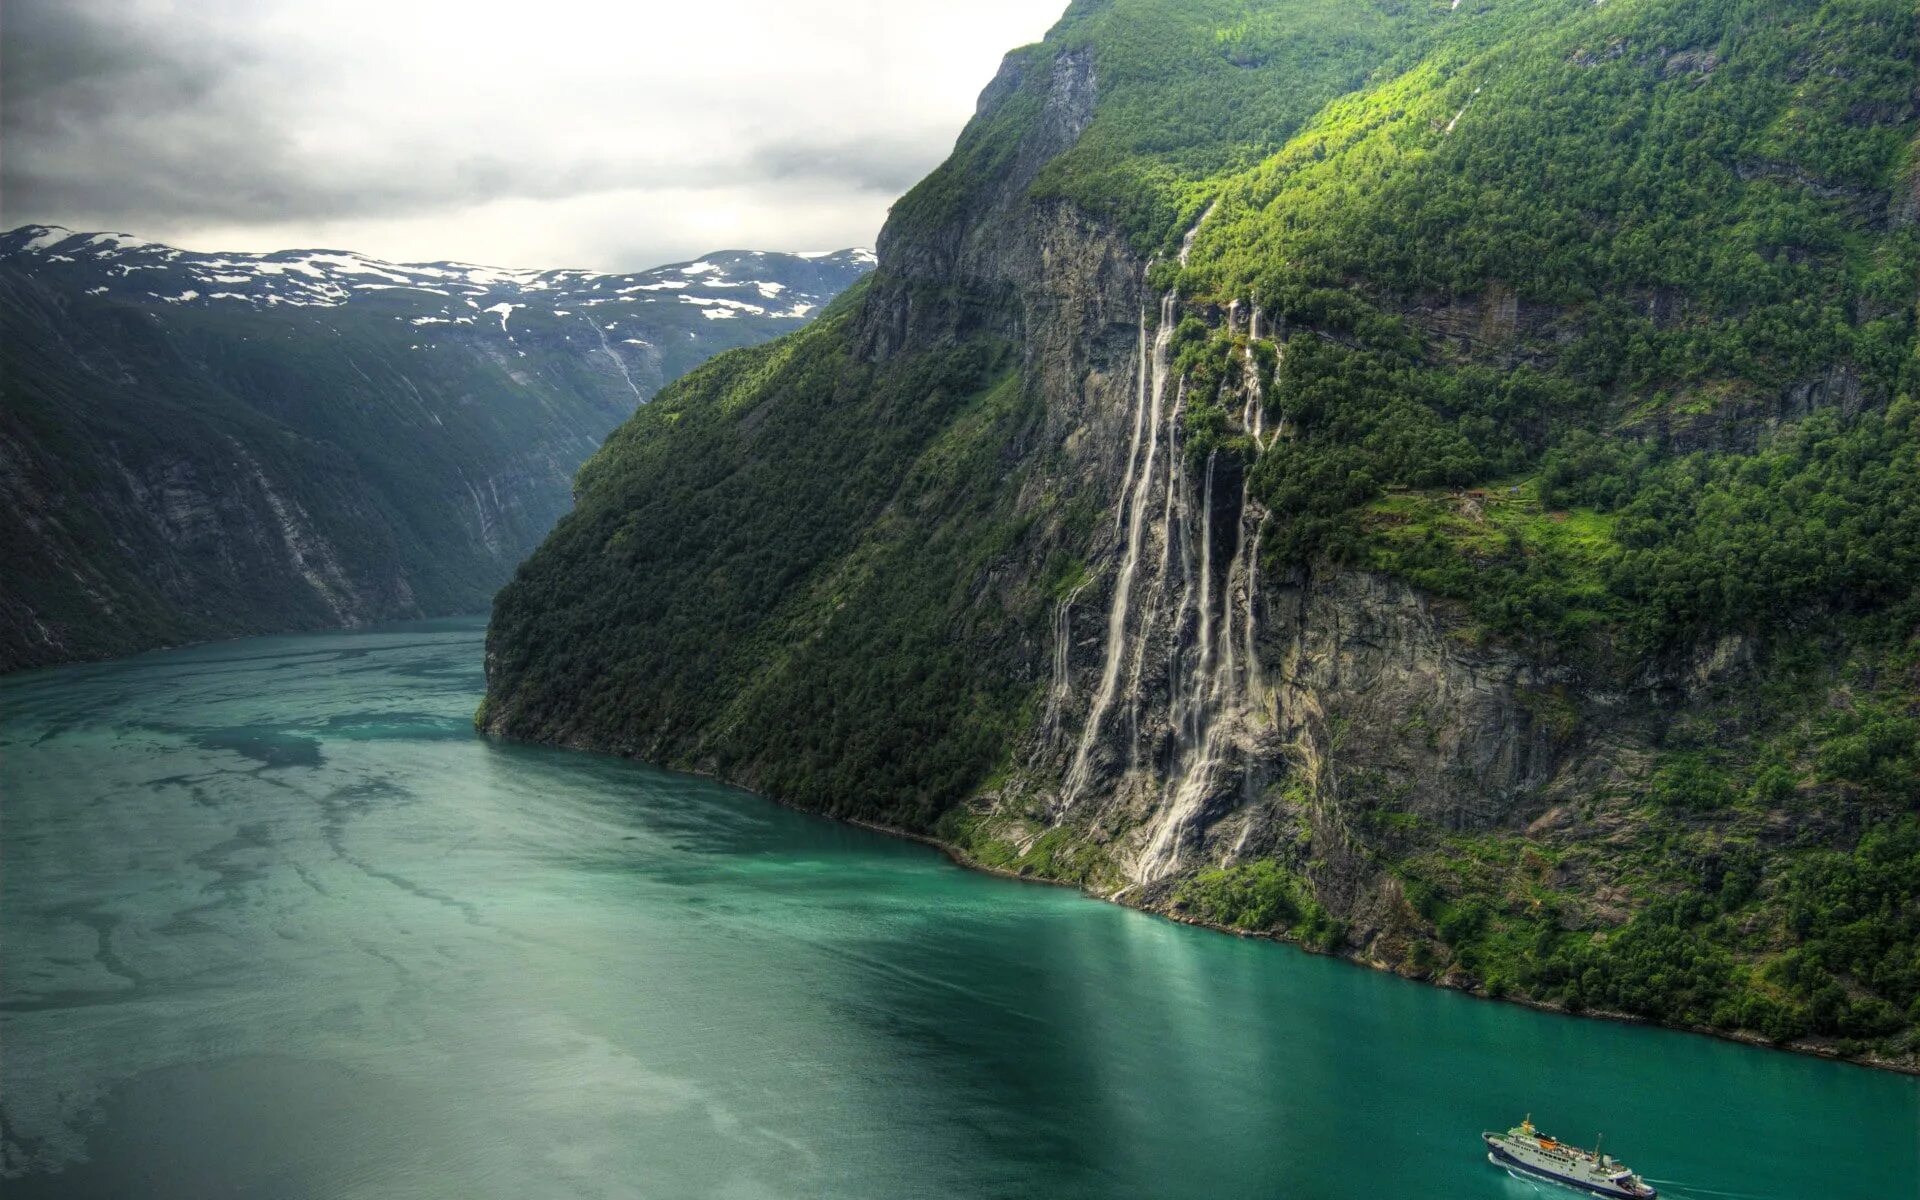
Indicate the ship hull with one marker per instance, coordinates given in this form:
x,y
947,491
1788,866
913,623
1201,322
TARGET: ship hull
x,y
1500,1156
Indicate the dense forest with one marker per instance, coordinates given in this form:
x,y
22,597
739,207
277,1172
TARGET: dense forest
x,y
1590,326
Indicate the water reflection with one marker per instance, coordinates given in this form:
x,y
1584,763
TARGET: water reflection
x,y
278,925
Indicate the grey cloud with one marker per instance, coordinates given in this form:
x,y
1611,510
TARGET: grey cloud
x,y
103,115
146,123
72,61
882,164
280,122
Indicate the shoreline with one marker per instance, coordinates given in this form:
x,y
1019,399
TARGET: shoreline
x,y
962,859
370,625
959,857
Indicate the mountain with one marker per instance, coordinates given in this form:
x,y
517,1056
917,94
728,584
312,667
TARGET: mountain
x,y
209,445
1436,482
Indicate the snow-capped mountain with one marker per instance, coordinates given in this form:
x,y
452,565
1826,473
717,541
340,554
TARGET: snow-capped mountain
x,y
728,285
196,445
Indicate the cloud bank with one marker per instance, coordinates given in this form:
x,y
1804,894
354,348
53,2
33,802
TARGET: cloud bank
x,y
573,133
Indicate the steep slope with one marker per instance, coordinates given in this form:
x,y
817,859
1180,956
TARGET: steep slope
x,y
199,445
1439,483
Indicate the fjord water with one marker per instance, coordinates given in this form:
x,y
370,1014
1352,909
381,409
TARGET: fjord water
x,y
278,924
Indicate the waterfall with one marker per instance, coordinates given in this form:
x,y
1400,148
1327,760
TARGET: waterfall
x,y
1062,651
1135,504
1206,686
1213,687
1176,479
1254,416
1176,650
611,353
1216,687
1256,686
1202,676
1139,419
1229,667
1186,242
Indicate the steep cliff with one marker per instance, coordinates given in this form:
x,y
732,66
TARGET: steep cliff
x,y
1436,483
198,445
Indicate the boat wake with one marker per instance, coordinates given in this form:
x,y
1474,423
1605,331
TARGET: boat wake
x,y
1682,1191
1674,1189
1532,1183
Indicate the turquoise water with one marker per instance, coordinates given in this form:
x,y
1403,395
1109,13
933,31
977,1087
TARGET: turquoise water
x,y
277,924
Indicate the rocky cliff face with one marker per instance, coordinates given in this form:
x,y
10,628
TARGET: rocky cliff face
x,y
1194,705
200,445
1048,613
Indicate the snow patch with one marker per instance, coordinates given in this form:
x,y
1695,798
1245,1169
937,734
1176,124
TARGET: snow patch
x,y
400,287
505,310
49,235
109,242
711,302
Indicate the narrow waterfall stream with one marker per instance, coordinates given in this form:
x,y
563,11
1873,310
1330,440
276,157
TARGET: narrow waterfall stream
x,y
1061,685
1216,689
1253,417
1176,482
1139,425
1134,498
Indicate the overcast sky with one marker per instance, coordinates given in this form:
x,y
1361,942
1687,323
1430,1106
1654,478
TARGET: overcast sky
x,y
581,133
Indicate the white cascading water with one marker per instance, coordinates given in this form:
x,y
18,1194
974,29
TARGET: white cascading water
x,y
1214,692
1254,416
1152,611
1217,690
1200,725
1134,498
1139,421
1176,649
1256,686
1203,672
1225,693
1062,682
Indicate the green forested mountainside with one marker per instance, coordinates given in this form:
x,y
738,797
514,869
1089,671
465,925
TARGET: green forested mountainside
x,y
1592,325
1701,205
200,446
787,532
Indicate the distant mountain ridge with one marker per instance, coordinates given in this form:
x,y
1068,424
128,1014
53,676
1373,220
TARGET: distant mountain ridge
x,y
199,445
725,285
